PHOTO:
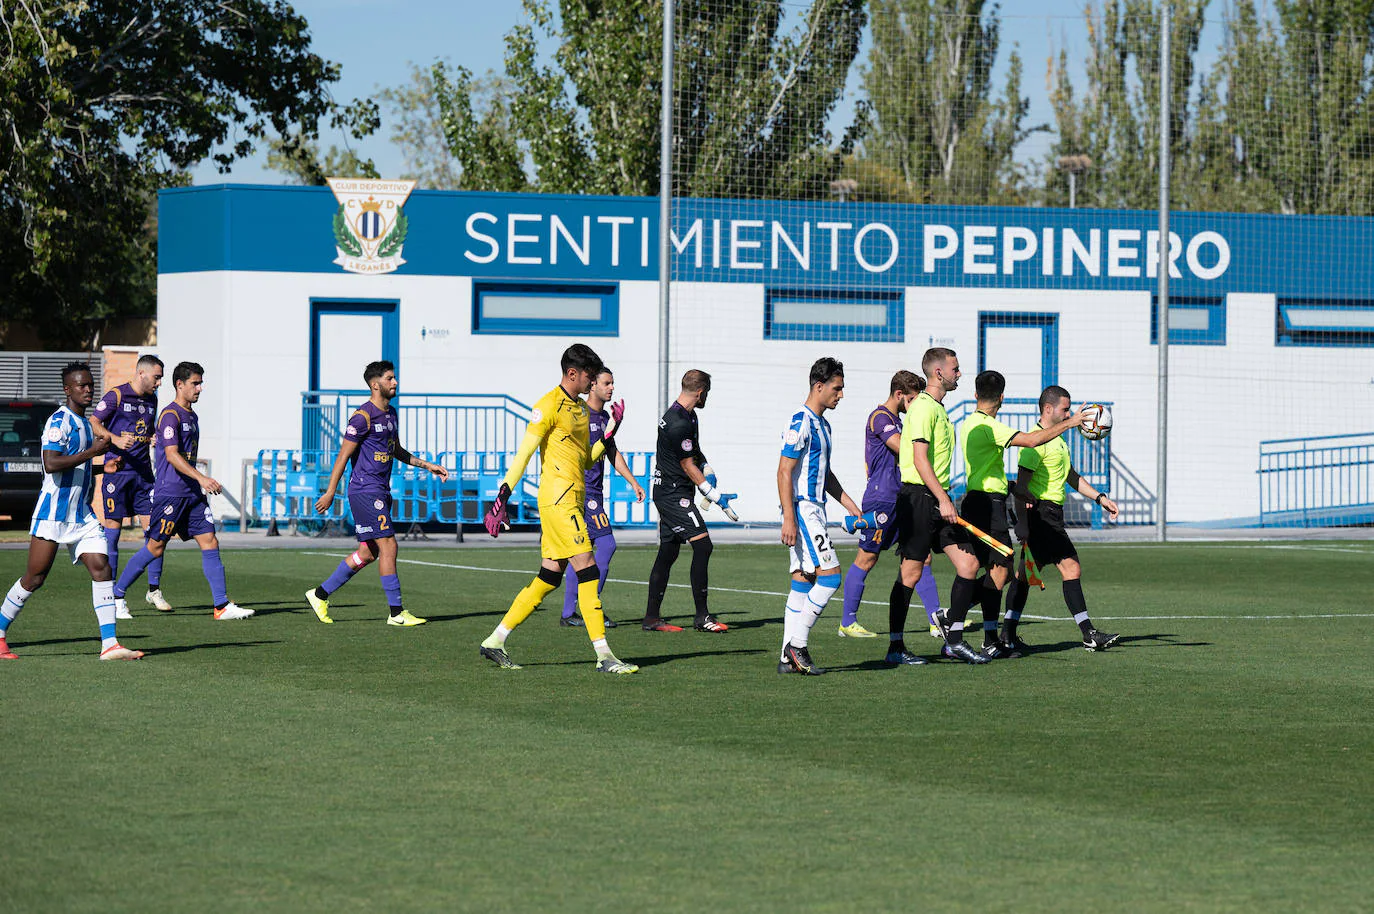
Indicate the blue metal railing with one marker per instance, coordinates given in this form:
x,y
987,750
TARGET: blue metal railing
x,y
1325,481
1092,459
429,422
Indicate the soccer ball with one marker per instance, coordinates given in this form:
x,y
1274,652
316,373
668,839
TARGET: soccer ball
x,y
1098,425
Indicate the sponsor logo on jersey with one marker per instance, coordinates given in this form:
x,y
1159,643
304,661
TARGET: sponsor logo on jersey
x,y
370,226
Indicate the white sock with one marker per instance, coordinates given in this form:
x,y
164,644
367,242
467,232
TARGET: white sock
x,y
791,616
497,638
603,650
816,598
14,602
102,598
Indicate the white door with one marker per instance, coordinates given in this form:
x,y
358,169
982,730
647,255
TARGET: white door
x,y
347,343
1017,352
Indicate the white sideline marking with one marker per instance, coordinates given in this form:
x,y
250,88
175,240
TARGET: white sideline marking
x,y
780,594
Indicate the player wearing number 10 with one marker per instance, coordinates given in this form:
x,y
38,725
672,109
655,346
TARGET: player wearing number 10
x,y
180,506
372,444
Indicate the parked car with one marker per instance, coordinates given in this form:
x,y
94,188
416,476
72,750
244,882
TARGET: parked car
x,y
21,460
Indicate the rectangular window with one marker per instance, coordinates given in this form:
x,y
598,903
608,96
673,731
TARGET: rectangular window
x,y
1194,320
546,309
1324,322
837,315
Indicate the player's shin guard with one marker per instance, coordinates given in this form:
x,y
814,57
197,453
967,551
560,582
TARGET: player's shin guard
x,y
589,603
960,596
898,603
14,602
1018,591
112,549
213,568
792,614
604,547
102,598
701,559
991,600
528,600
339,577
1078,605
658,578
391,586
854,580
821,592
929,592
569,591
141,560
155,572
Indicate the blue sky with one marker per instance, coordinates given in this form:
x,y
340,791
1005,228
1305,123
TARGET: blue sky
x,y
376,42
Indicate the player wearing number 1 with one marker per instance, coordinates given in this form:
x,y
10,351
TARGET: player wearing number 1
x,y
372,443
180,506
558,429
804,481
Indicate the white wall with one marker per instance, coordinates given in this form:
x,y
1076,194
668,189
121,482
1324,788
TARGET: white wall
x,y
251,332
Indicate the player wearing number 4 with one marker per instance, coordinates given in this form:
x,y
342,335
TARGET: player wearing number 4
x,y
180,506
804,481
371,441
986,439
558,429
63,515
1042,474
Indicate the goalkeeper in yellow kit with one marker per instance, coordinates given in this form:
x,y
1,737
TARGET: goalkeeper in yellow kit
x,y
558,430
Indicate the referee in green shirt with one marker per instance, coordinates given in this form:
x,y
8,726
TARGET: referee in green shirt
x,y
1042,475
985,441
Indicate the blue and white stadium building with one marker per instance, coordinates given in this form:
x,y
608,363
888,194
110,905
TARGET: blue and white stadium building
x,y
1272,319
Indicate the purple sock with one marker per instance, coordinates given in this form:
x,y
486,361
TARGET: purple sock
x,y
155,572
853,593
391,584
112,550
141,560
569,592
214,573
605,548
928,592
341,576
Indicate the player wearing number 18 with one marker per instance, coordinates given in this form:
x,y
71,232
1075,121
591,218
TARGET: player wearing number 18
x,y
1042,475
372,442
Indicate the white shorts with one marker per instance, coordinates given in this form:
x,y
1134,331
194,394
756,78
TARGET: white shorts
x,y
80,539
813,550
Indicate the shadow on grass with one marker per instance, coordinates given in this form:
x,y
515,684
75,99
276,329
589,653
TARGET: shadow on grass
x,y
160,650
642,661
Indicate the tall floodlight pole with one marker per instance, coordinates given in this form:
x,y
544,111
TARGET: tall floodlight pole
x,y
665,207
1162,317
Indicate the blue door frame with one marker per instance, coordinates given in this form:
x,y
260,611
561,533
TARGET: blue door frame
x,y
1048,324
389,309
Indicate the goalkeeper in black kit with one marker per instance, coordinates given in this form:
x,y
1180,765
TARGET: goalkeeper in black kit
x,y
680,472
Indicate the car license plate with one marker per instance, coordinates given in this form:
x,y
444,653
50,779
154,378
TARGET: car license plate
x,y
15,466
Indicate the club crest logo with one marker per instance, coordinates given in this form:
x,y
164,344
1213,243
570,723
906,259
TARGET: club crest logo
x,y
369,225
110,488
378,504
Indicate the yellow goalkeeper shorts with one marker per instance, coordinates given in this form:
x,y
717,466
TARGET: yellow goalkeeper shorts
x,y
564,531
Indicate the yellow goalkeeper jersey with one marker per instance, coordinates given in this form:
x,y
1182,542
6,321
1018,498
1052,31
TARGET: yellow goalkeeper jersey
x,y
558,430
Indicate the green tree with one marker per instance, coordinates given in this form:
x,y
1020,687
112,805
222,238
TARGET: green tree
x,y
750,102
934,120
104,101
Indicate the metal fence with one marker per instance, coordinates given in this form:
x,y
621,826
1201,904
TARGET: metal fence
x,y
38,375
1326,481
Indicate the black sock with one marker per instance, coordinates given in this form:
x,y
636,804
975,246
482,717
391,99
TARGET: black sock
x,y
658,579
960,595
992,605
396,611
898,604
1078,606
701,557
320,593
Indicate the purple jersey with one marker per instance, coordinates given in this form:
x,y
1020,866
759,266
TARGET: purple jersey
x,y
596,474
884,479
374,430
121,410
177,427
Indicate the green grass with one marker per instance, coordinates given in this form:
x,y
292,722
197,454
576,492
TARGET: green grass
x,y
1205,764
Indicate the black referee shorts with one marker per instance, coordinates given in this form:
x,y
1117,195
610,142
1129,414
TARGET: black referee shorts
x,y
921,529
988,512
1048,540
678,517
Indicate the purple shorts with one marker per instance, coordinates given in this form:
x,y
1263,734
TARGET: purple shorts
x,y
183,517
371,515
126,495
598,516
881,537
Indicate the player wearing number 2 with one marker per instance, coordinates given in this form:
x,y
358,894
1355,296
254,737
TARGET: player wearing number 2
x,y
371,441
804,481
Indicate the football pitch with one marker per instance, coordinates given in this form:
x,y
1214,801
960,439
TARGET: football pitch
x,y
1218,759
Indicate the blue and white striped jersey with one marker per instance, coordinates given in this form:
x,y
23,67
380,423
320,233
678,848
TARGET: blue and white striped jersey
x,y
66,496
808,440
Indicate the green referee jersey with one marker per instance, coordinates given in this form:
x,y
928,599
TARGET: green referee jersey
x,y
926,420
985,441
1051,464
